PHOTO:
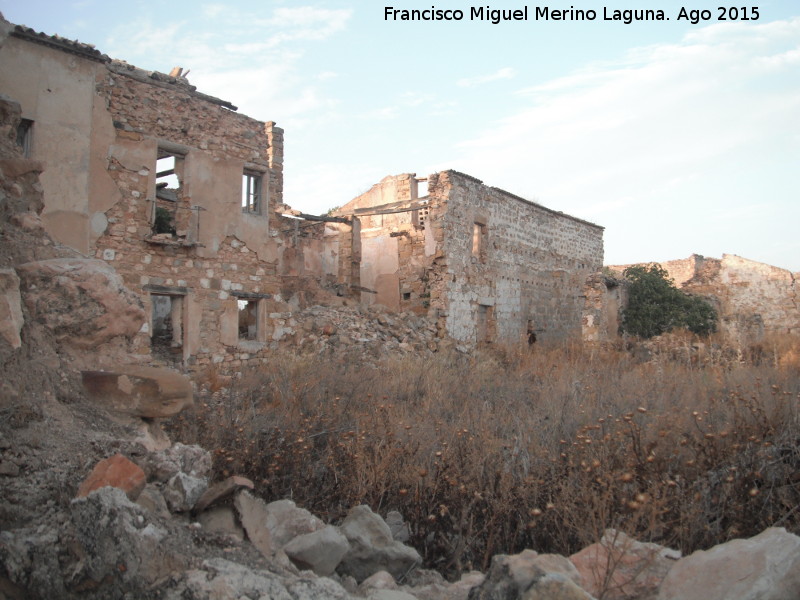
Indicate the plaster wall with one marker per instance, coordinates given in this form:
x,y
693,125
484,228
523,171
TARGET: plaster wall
x,y
56,92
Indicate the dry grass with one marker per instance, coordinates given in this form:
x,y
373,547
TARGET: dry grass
x,y
539,449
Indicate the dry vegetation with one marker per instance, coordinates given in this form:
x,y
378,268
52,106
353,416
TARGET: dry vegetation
x,y
539,449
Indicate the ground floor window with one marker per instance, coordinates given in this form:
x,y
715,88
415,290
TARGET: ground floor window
x,y
167,326
248,319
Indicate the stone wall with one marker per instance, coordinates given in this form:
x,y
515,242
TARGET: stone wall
x,y
513,267
488,266
753,299
222,280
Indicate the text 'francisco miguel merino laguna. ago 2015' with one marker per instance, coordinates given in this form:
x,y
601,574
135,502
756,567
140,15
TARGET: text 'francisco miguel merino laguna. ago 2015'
x,y
545,13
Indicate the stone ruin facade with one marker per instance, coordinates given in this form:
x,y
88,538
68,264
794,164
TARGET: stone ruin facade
x,y
183,197
486,265
754,300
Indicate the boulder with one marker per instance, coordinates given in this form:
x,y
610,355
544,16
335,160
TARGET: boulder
x,y
529,575
765,567
120,541
115,471
179,458
222,490
11,319
221,519
30,560
372,547
220,579
320,551
621,568
399,528
252,513
150,392
152,500
82,301
183,491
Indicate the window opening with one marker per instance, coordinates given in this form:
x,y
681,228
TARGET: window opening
x,y
24,136
478,241
248,319
251,192
169,185
485,323
167,333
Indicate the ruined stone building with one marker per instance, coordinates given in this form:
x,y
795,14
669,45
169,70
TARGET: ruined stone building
x,y
183,196
488,265
754,300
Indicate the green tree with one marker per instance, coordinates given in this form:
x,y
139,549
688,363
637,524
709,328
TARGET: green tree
x,y
656,306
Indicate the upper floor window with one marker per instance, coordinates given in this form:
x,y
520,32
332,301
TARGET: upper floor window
x,y
251,192
24,136
479,241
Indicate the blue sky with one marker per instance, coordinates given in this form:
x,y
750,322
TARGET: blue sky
x,y
678,138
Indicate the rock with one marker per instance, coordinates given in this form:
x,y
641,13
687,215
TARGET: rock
x,y
619,568
183,491
372,548
220,579
390,595
115,471
554,586
765,567
379,581
221,490
150,392
179,458
152,499
120,541
82,301
11,319
29,221
253,516
221,519
458,590
286,521
529,575
30,561
8,468
320,551
398,527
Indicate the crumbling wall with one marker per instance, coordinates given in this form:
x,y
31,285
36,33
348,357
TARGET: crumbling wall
x,y
203,258
515,269
397,244
485,264
753,299
604,300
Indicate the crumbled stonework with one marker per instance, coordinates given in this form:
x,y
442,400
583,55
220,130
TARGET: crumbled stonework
x,y
753,299
183,197
486,265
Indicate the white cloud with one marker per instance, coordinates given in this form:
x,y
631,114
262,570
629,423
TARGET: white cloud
x,y
504,73
688,130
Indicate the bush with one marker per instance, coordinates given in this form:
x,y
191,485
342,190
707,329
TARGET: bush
x,y
540,449
656,306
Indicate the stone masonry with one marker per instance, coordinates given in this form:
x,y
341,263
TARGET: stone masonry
x,y
488,266
183,197
754,300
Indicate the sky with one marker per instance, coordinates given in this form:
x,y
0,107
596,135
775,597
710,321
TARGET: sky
x,y
677,137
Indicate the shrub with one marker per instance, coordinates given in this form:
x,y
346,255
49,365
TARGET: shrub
x,y
541,449
656,306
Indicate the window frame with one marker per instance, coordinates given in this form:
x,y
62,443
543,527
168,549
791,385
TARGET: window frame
x,y
252,198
